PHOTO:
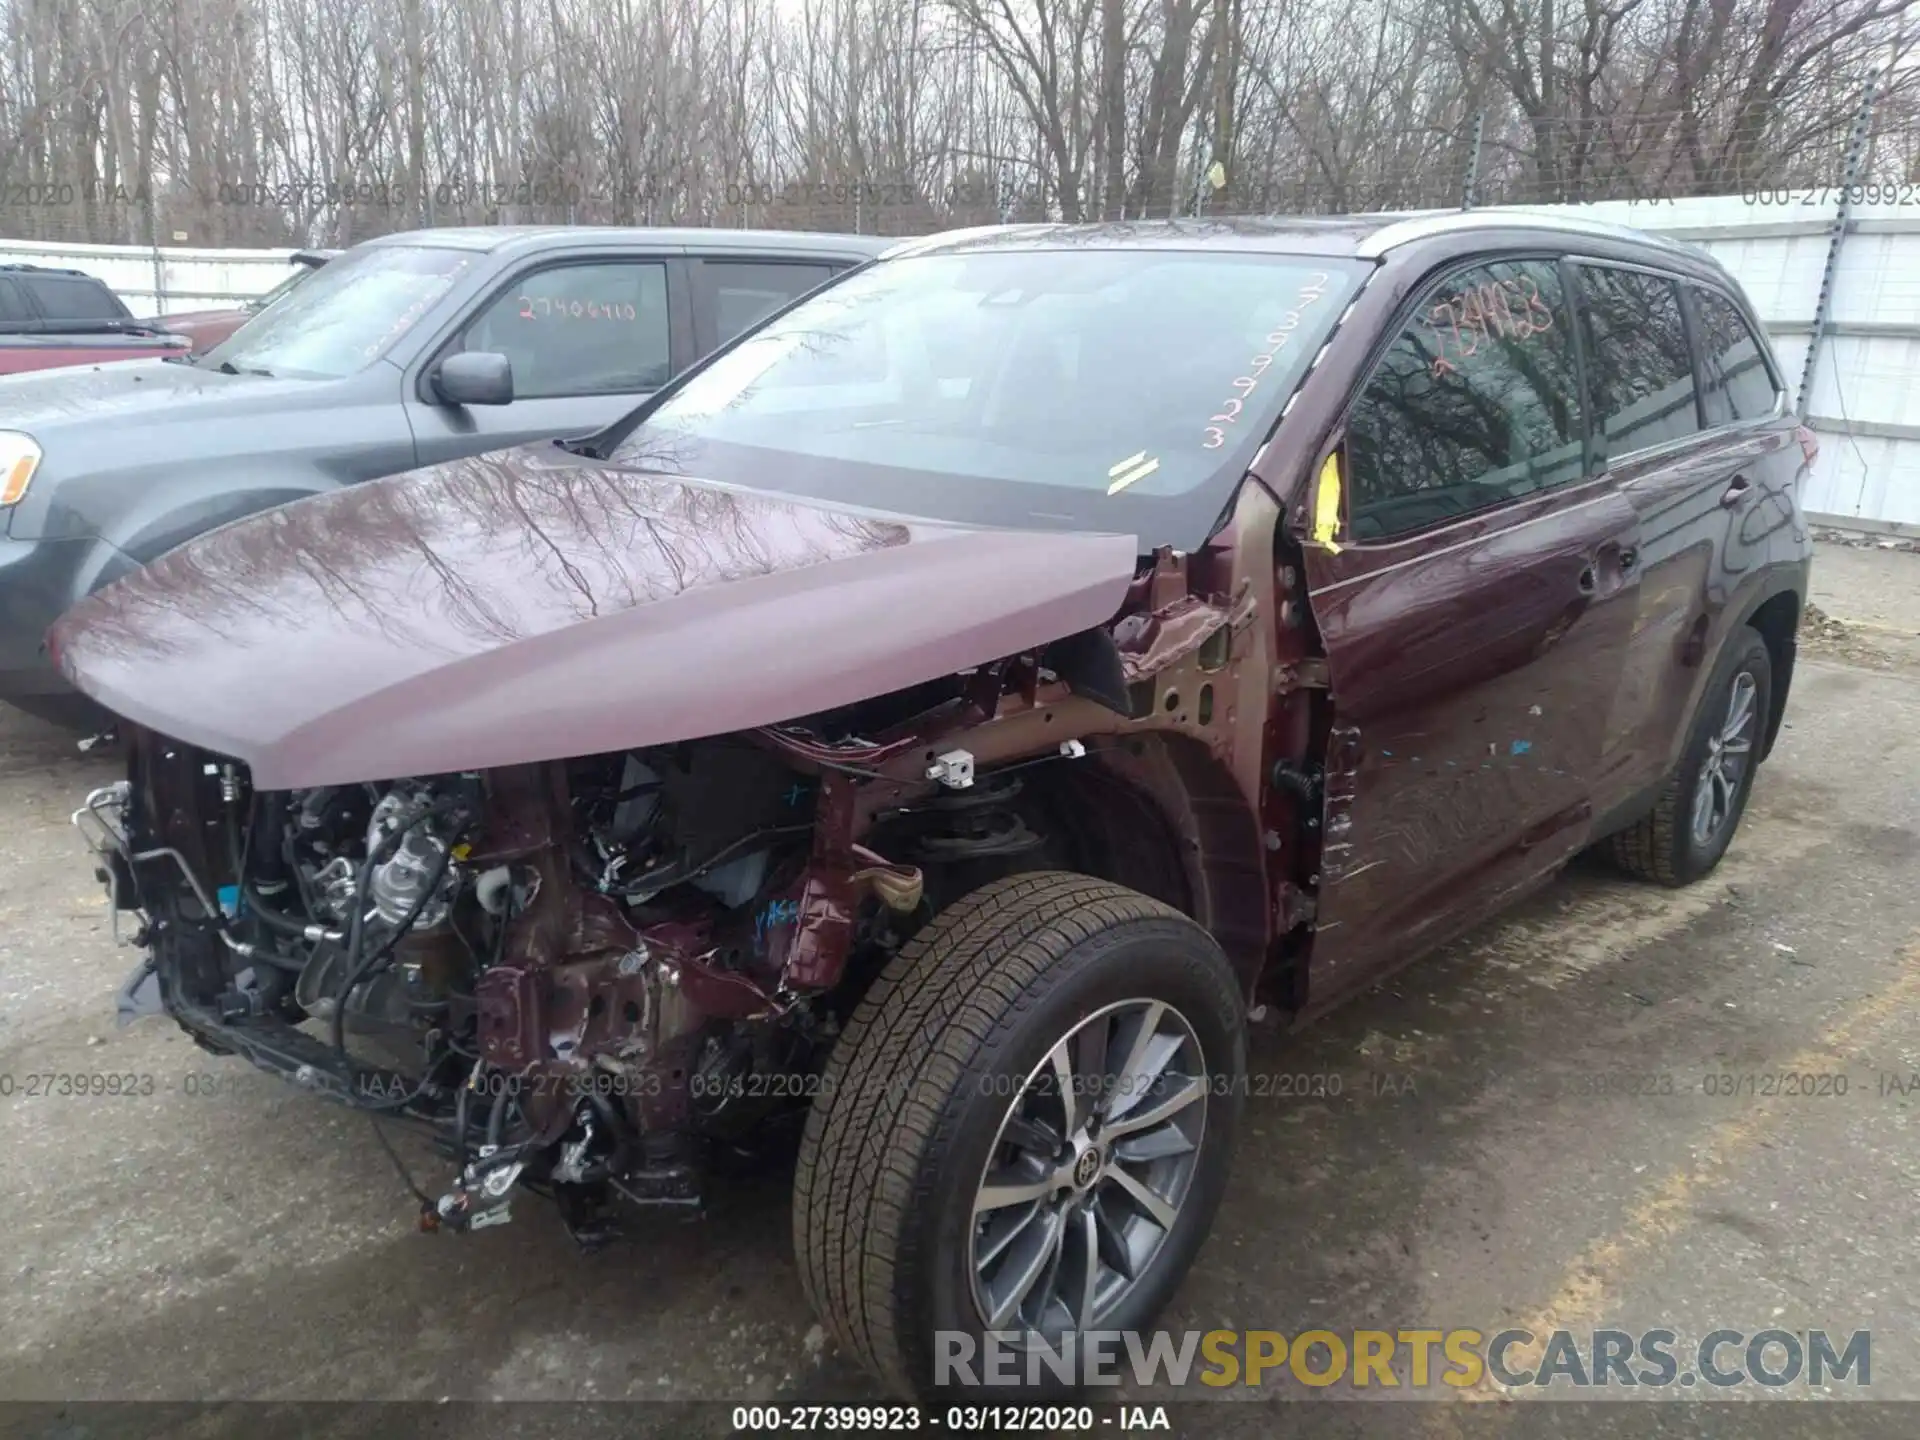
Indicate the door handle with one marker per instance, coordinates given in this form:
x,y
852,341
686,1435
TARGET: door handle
x,y
1629,557
1589,581
1736,489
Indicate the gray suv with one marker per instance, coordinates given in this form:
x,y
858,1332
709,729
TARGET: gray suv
x,y
406,350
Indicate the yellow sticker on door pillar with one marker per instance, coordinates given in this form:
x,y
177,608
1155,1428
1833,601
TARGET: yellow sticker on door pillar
x,y
1326,504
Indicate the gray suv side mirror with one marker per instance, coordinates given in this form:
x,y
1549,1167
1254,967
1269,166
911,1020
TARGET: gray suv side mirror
x,y
474,378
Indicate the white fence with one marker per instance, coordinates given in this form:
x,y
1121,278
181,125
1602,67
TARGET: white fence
x,y
1865,394
154,282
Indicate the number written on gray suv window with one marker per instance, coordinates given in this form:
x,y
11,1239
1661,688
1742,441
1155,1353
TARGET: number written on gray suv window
x,y
580,330
1475,403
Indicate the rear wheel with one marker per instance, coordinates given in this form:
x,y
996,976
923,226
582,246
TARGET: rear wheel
x,y
1700,806
1025,1129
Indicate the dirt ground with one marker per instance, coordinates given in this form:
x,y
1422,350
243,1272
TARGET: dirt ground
x,y
225,1238
1865,603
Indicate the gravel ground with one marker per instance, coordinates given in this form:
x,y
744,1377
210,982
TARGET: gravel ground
x,y
254,1244
1865,603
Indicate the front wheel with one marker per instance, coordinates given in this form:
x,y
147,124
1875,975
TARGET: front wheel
x,y
1024,1130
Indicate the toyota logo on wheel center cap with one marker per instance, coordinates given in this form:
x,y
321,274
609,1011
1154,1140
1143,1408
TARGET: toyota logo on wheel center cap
x,y
1086,1168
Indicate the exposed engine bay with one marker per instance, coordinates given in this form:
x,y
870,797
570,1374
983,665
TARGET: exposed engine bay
x,y
607,978
595,978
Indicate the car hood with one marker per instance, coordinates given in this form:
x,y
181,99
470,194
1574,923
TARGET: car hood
x,y
58,407
531,605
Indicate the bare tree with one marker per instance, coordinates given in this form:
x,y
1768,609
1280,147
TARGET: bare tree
x,y
284,121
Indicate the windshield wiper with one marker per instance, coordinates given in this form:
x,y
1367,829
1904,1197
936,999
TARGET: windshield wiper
x,y
227,367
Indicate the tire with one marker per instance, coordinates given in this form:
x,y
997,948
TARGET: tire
x,y
1664,846
918,1091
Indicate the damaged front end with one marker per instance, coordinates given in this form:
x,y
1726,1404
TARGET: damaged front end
x,y
610,976
591,977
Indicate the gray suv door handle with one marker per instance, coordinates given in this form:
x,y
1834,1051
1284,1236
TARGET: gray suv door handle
x,y
1736,489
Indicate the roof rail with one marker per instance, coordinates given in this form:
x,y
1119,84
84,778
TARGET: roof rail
x,y
1445,222
940,238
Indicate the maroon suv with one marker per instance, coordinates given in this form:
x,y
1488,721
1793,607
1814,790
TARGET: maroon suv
x,y
939,718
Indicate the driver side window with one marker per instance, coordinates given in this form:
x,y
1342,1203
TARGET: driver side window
x,y
1475,403
598,329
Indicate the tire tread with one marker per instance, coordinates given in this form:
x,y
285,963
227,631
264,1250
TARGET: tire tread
x,y
909,1045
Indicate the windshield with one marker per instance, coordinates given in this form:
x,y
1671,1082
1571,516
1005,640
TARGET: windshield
x,y
1058,387
344,316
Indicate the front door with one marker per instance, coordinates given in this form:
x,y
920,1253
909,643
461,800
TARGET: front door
x,y
1475,620
587,340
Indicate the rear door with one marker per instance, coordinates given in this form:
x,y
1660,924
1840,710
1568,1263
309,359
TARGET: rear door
x,y
1685,401
587,338
1475,621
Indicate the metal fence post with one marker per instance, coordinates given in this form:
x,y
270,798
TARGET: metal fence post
x,y
159,262
1857,146
1472,179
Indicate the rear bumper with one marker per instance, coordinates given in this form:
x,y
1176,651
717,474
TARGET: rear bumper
x,y
37,581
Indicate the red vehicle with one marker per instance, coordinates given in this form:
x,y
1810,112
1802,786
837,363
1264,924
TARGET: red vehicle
x,y
51,318
21,353
205,329
939,718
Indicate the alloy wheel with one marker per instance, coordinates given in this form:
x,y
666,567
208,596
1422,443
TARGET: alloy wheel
x,y
1728,762
1088,1172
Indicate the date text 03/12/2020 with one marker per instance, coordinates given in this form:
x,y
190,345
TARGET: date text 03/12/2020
x,y
957,1419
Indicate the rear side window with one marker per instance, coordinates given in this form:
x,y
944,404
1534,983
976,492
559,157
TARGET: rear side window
x,y
1739,382
1641,369
73,297
743,293
1476,402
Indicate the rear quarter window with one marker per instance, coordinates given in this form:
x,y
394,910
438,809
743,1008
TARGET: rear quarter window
x,y
1740,383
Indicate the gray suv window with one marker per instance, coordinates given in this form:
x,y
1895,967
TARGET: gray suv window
x,y
14,313
596,329
1475,403
1640,365
745,292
